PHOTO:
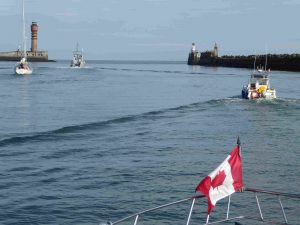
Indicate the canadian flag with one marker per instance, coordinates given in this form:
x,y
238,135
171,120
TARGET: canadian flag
x,y
224,180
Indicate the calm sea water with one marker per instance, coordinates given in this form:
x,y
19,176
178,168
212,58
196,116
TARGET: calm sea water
x,y
84,146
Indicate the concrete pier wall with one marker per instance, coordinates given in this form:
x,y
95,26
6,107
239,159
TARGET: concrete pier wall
x,y
37,56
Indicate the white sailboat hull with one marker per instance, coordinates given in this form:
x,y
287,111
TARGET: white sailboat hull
x,y
23,67
23,71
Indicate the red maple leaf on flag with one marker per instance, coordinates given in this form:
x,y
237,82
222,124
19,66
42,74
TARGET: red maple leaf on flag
x,y
219,179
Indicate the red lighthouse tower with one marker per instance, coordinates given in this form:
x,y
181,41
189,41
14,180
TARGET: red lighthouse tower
x,y
34,34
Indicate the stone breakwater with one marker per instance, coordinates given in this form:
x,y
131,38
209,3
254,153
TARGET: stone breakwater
x,y
285,62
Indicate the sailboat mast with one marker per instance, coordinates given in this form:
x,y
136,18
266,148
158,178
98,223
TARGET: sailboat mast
x,y
24,37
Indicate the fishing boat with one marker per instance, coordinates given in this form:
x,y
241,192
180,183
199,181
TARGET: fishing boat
x,y
23,67
259,84
253,216
78,60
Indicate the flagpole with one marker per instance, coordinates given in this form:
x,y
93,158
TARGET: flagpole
x,y
240,151
238,142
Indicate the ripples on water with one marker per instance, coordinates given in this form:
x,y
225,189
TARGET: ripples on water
x,y
86,146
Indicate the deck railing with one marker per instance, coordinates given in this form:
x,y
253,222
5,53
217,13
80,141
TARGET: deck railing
x,y
135,216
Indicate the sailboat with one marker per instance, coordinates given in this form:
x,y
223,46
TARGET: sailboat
x,y
78,60
23,67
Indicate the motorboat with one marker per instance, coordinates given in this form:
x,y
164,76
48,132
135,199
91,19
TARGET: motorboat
x,y
23,67
259,84
78,60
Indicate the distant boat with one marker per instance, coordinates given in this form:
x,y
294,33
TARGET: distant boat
x,y
78,60
23,67
259,85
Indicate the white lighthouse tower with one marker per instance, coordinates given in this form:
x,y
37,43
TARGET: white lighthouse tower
x,y
216,50
193,48
194,56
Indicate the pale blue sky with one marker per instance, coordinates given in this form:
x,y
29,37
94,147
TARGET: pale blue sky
x,y
154,29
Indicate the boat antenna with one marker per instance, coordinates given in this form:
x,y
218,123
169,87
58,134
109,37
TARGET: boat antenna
x,y
266,59
77,46
254,63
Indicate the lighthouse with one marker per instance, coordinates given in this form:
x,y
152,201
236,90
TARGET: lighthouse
x,y
34,34
194,56
193,47
34,55
216,50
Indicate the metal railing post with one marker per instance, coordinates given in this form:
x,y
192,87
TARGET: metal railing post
x,y
136,219
283,212
228,207
207,219
191,210
261,216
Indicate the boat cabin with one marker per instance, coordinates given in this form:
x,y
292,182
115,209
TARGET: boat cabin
x,y
259,81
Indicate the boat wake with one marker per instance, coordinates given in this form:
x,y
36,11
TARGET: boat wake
x,y
278,102
69,132
166,71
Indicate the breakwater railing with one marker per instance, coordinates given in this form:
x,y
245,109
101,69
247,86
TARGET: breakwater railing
x,y
135,217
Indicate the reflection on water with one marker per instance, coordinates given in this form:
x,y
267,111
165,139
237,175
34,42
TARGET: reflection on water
x,y
25,107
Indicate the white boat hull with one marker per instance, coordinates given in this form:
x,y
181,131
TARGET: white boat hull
x,y
23,71
253,94
23,67
80,65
